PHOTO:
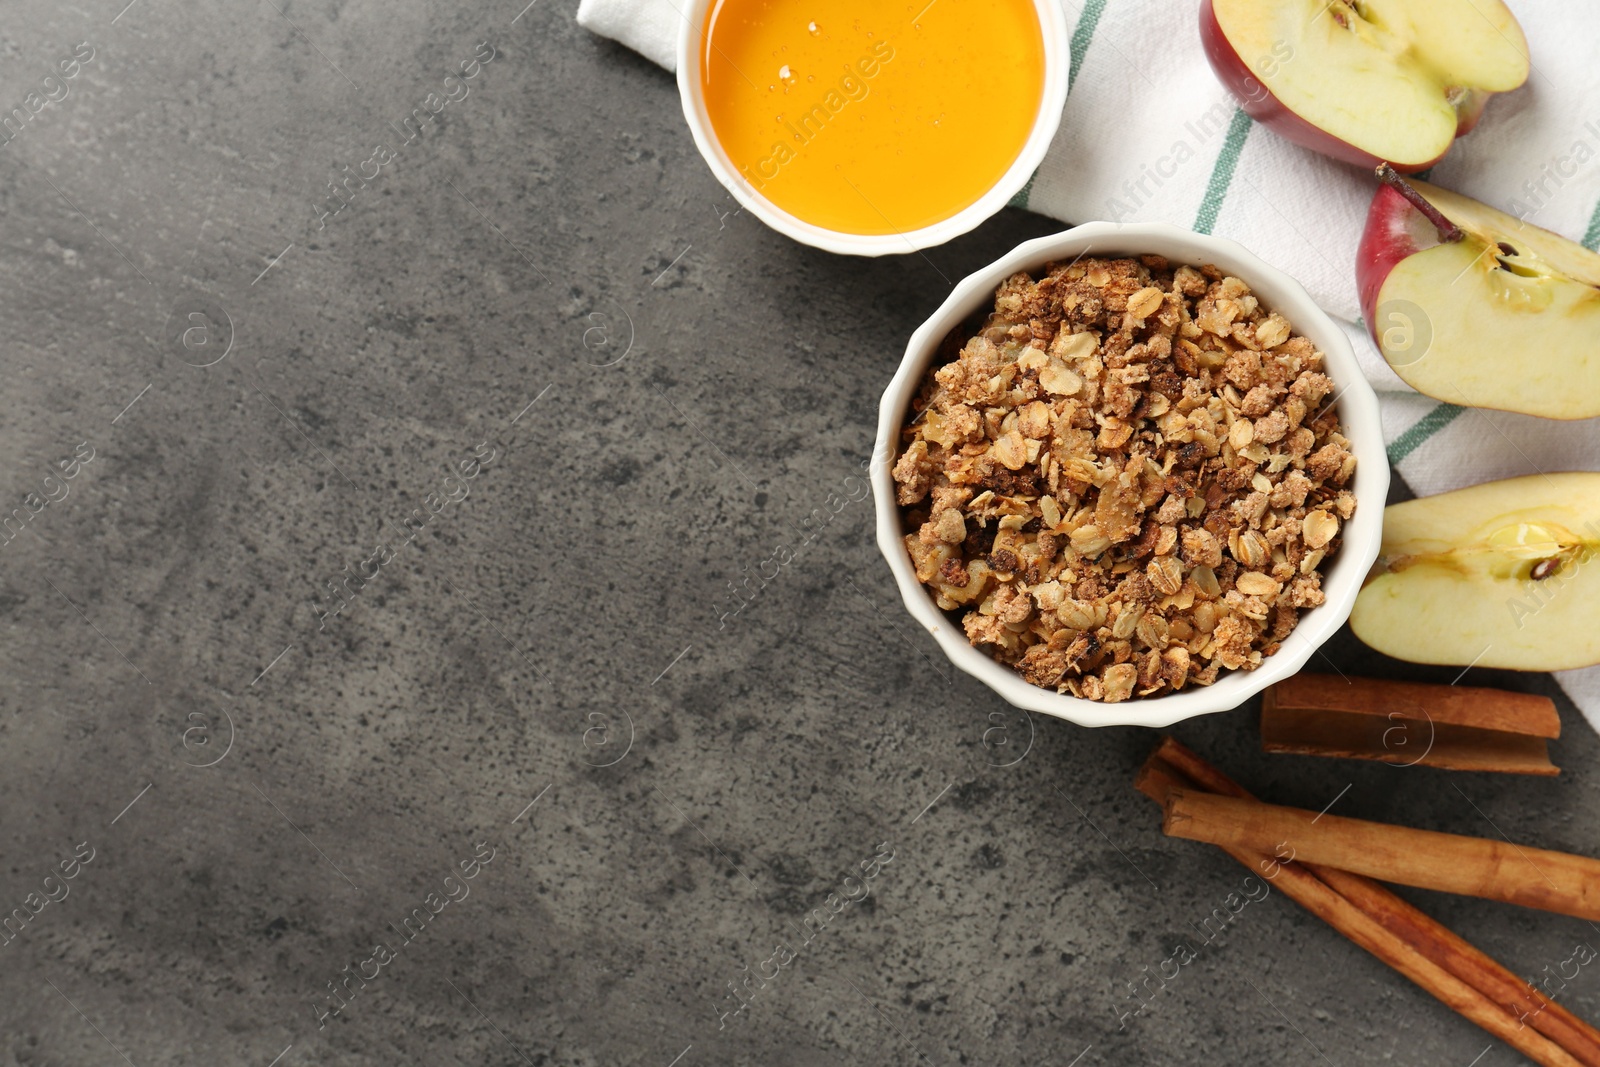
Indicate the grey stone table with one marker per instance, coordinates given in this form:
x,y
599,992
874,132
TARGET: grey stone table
x,y
418,445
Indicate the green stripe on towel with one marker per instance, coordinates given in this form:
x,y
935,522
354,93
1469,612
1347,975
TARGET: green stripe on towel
x,y
1087,21
1424,428
1020,197
1222,172
1591,239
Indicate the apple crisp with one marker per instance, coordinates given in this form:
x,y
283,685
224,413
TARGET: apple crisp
x,y
1127,480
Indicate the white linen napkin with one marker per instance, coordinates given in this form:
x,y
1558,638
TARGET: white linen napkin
x,y
1149,134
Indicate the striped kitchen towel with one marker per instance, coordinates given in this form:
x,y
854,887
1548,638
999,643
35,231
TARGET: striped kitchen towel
x,y
1149,134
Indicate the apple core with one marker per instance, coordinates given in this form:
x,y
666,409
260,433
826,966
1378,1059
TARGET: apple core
x,y
1507,293
1495,575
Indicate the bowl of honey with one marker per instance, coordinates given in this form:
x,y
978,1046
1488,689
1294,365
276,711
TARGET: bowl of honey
x,y
873,128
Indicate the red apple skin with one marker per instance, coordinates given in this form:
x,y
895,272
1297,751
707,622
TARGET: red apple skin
x,y
1387,239
1257,101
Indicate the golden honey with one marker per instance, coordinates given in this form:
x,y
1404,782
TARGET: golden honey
x,y
872,118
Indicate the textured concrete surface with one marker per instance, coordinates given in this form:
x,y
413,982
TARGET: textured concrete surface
x,y
539,662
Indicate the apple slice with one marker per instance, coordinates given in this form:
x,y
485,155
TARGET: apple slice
x,y
1502,574
1478,308
1365,81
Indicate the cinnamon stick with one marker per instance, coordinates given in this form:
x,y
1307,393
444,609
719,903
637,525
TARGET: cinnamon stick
x,y
1450,863
1459,728
1174,767
1498,710
1419,930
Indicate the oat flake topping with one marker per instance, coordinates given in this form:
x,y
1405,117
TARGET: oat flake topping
x,y
1128,480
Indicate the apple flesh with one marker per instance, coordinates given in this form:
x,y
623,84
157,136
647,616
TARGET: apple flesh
x,y
1506,315
1503,574
1365,81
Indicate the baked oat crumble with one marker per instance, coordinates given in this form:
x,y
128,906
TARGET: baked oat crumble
x,y
1128,480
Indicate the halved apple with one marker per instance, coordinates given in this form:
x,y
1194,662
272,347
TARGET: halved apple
x,y
1366,81
1504,574
1475,307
